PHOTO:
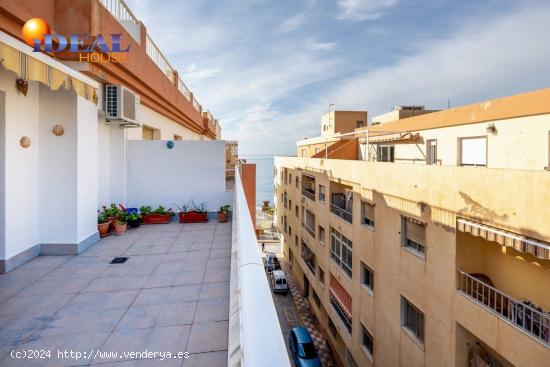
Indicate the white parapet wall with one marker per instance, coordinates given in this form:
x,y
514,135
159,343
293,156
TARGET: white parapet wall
x,y
190,171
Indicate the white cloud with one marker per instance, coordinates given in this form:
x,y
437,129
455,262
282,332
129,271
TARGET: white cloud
x,y
292,23
320,46
358,10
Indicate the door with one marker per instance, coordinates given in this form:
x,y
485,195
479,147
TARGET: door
x,y
306,286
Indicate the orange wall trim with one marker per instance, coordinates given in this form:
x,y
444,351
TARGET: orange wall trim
x,y
248,177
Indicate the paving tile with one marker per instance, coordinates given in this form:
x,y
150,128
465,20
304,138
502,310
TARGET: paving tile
x,y
210,359
208,337
169,339
198,246
175,278
124,340
219,253
212,310
224,262
141,317
34,304
214,290
47,286
117,283
103,300
216,275
71,320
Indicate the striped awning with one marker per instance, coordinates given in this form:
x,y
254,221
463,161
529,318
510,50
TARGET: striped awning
x,y
31,69
341,296
519,242
403,137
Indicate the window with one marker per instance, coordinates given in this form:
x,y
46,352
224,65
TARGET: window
x,y
321,235
412,319
296,240
290,204
290,257
297,211
341,301
297,182
386,153
359,124
367,342
177,137
431,151
341,251
285,199
413,235
367,214
309,257
316,150
367,277
290,178
150,133
289,230
473,151
321,193
285,223
321,276
316,298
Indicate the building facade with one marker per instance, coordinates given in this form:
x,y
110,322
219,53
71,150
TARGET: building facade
x,y
428,244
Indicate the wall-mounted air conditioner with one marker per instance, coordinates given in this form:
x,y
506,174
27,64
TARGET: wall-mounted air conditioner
x,y
120,105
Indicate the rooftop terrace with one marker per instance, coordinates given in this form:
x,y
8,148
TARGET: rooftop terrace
x,y
171,295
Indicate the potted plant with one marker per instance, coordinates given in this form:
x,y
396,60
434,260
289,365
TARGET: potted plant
x,y
133,219
223,213
120,227
197,214
103,225
112,213
157,216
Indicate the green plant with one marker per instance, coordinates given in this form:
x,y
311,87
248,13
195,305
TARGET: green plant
x,y
102,218
131,216
118,222
201,208
183,209
224,209
145,210
113,211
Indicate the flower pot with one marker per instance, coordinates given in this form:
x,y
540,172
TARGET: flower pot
x,y
222,217
104,229
133,223
193,217
156,218
120,228
111,220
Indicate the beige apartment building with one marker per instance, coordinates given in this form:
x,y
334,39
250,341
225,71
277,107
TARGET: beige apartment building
x,y
425,240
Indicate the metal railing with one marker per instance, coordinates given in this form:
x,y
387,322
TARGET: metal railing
x,y
196,104
120,10
309,229
342,213
255,336
158,58
520,314
182,87
341,314
308,194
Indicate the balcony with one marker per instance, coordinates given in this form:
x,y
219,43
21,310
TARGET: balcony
x,y
309,230
309,257
341,212
522,314
308,187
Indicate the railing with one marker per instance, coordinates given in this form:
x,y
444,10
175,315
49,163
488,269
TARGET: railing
x,y
341,314
158,58
518,313
120,10
196,104
309,229
255,336
342,213
184,90
308,194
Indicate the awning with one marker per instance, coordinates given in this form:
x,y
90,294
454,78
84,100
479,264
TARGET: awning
x,y
519,242
341,296
401,138
31,69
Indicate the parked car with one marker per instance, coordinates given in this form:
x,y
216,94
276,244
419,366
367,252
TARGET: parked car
x,y
278,281
302,348
272,263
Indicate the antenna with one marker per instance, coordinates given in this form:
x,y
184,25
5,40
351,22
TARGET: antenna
x,y
330,105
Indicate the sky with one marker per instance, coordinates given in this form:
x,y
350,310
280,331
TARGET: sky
x,y
267,69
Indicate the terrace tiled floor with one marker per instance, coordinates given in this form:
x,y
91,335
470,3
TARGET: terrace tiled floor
x,y
172,295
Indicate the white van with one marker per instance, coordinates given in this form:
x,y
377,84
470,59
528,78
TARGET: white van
x,y
278,281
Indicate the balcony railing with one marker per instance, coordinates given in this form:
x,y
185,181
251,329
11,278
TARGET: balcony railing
x,y
182,87
309,194
308,229
341,314
342,213
255,336
158,58
120,10
196,104
520,314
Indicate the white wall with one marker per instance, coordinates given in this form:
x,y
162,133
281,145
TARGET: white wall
x,y
111,164
192,170
57,167
21,166
2,174
167,127
87,152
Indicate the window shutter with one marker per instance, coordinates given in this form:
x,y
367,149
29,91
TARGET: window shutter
x,y
416,232
368,211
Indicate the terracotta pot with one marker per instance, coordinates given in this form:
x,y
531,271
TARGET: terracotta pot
x,y
193,217
104,229
120,228
156,218
222,217
112,220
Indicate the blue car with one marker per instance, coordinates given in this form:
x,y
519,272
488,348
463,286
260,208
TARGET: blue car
x,y
303,350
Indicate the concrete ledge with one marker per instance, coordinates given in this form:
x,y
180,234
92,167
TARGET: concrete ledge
x,y
19,259
68,248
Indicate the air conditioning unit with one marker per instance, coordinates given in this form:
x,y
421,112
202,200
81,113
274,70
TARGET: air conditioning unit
x,y
120,105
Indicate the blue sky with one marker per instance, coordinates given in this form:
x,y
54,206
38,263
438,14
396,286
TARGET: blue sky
x,y
266,69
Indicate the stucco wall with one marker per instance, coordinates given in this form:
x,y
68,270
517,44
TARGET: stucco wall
x,y
192,170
